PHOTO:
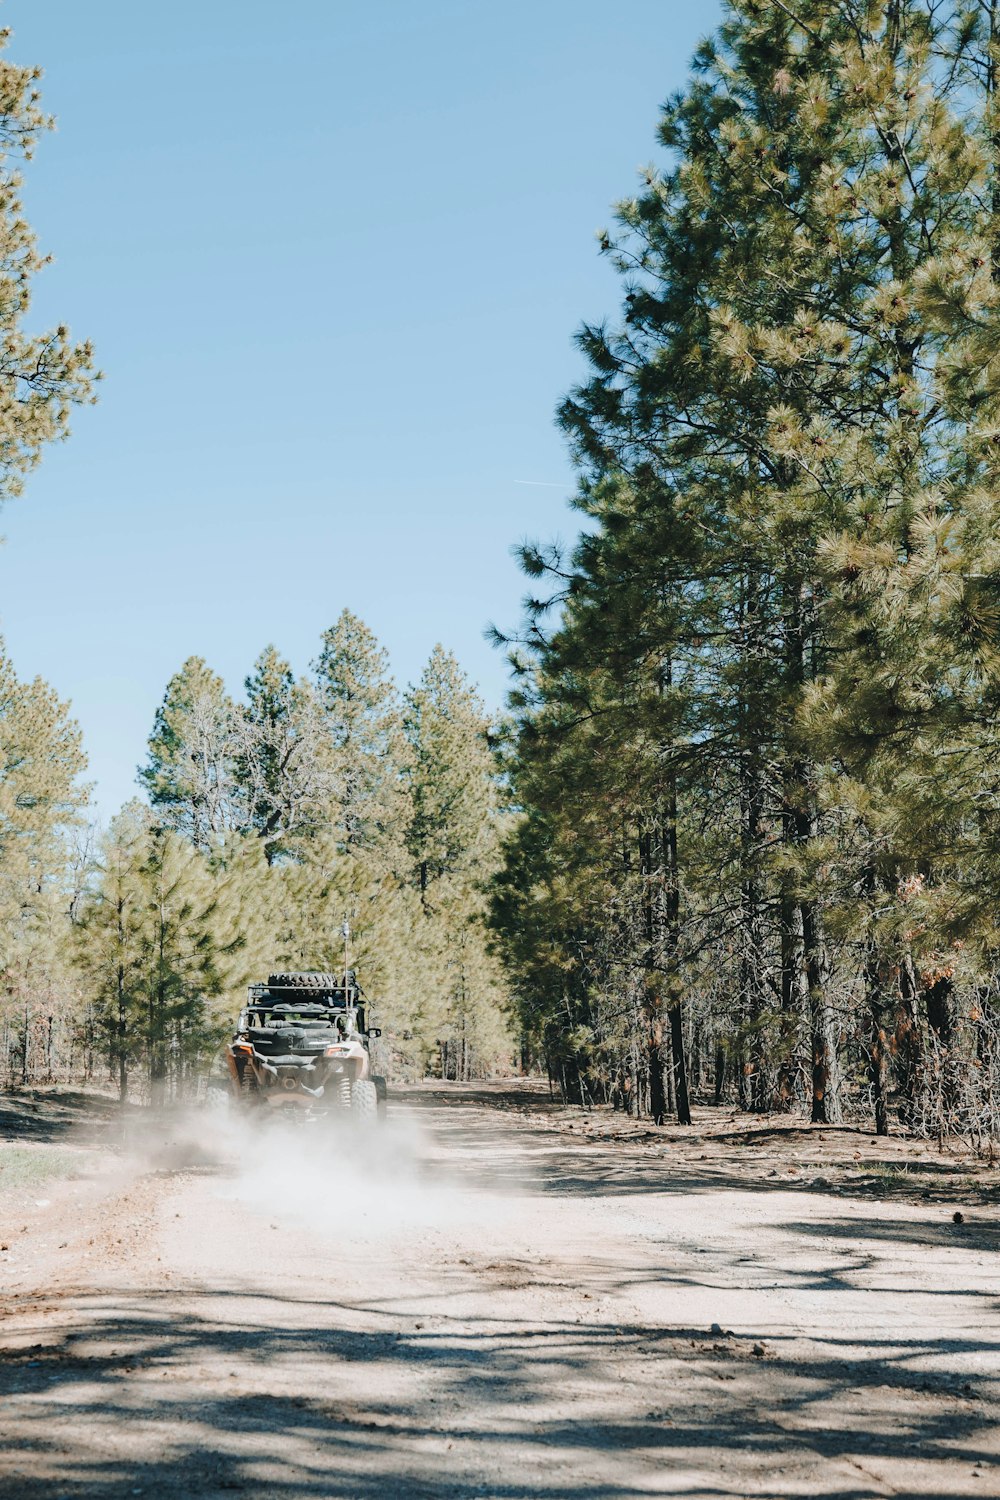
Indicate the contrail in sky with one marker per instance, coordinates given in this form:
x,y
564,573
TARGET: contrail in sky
x,y
542,484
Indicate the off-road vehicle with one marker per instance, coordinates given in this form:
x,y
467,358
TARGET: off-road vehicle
x,y
302,1044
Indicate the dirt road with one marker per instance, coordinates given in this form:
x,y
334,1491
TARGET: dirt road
x,y
497,1299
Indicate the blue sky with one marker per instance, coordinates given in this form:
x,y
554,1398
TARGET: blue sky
x,y
332,256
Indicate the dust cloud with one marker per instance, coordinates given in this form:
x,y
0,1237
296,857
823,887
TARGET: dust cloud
x,y
334,1177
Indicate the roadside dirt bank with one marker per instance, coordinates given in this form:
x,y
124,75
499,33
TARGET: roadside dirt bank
x,y
493,1298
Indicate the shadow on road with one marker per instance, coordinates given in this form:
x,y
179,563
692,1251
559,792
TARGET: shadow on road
x,y
239,1385
295,1423
52,1116
764,1160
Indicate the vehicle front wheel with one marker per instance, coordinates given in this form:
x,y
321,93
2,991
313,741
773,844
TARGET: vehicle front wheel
x,y
364,1101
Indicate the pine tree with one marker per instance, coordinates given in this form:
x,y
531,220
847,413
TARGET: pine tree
x,y
159,940
192,943
364,726
451,776
766,392
41,799
110,940
283,766
453,842
190,776
45,374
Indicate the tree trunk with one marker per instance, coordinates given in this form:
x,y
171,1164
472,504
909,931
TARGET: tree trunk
x,y
792,992
879,1060
122,1039
802,972
939,998
157,1060
742,1078
908,1039
720,1072
680,1066
754,1089
815,972
673,923
874,971
826,1105
657,1090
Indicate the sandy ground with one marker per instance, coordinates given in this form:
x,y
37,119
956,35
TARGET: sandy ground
x,y
495,1298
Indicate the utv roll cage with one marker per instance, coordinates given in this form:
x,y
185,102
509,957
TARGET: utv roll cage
x,y
335,995
313,1003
